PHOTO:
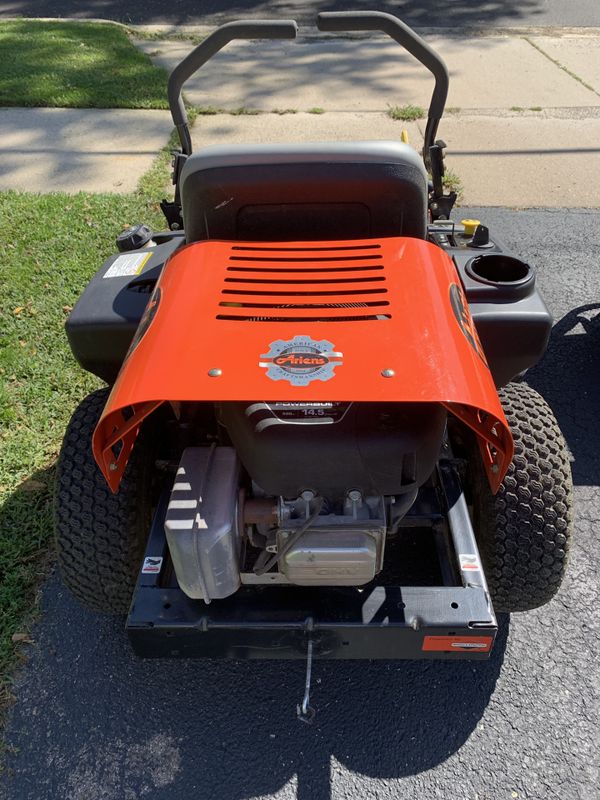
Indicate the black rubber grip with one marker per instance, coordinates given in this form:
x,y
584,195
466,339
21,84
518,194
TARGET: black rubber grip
x,y
250,29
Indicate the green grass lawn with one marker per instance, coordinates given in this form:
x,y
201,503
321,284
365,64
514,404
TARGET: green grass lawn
x,y
52,245
76,65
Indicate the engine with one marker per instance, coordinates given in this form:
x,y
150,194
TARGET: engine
x,y
306,495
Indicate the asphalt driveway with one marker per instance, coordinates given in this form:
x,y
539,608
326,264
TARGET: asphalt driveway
x,y
93,723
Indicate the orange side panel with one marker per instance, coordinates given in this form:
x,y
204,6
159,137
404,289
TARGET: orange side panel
x,y
306,321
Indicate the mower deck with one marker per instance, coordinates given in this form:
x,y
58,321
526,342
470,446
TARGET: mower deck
x,y
451,620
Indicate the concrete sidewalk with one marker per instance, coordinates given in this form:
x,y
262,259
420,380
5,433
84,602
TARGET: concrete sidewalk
x,y
520,161
524,121
523,127
71,150
370,74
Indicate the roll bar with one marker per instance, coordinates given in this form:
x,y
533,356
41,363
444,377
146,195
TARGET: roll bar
x,y
337,21
256,29
334,21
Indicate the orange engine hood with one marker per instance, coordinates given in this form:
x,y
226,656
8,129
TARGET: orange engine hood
x,y
306,321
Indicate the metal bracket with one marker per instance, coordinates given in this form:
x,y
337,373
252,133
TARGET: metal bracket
x,y
441,206
172,213
172,210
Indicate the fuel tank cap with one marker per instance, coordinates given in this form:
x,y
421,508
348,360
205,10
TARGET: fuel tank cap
x,y
134,237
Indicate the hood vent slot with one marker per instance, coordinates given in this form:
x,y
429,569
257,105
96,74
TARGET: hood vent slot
x,y
312,284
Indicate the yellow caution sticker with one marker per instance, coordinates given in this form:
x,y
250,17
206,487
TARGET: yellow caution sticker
x,y
126,265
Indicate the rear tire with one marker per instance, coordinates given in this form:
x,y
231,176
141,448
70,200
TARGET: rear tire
x,y
524,531
100,536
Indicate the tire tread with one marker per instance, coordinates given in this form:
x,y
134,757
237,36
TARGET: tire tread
x,y
100,536
524,531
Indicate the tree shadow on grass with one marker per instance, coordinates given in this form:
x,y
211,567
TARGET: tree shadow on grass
x,y
73,64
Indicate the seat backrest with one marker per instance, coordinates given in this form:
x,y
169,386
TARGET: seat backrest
x,y
346,190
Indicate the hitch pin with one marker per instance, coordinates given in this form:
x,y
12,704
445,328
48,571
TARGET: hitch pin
x,y
306,713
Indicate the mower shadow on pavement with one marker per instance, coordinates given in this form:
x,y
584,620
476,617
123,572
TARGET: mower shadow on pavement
x,y
167,729
567,377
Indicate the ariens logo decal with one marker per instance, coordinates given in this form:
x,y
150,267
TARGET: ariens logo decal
x,y
300,360
147,317
460,307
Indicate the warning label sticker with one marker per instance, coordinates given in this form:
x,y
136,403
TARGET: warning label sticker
x,y
450,644
152,564
128,264
469,562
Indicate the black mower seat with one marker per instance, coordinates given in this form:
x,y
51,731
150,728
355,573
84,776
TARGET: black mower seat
x,y
301,192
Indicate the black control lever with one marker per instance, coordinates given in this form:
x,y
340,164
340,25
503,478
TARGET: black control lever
x,y
436,158
440,204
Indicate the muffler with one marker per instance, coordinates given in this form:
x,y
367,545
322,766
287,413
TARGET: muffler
x,y
201,523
